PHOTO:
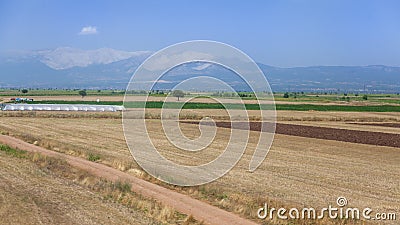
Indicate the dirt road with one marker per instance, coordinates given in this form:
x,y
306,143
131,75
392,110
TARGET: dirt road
x,y
182,203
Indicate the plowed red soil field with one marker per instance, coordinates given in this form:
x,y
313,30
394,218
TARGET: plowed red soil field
x,y
353,136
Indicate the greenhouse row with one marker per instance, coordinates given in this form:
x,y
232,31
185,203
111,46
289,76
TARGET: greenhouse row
x,y
61,107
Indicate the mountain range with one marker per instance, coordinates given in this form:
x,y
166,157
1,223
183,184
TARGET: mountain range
x,y
108,68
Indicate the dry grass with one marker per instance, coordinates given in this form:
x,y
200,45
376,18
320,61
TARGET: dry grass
x,y
297,172
117,194
282,116
197,114
32,194
301,171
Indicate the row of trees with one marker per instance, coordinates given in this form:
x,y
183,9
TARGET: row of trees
x,y
180,94
345,97
176,93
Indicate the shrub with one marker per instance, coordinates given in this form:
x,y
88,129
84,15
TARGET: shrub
x,y
92,157
178,94
12,151
82,93
122,186
286,95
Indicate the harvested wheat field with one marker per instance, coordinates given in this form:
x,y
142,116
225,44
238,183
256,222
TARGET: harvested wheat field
x,y
298,171
33,193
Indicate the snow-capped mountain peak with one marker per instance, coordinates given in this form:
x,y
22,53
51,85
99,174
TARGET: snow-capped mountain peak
x,y
67,57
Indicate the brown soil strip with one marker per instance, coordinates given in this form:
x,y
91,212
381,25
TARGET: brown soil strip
x,y
201,211
353,136
395,125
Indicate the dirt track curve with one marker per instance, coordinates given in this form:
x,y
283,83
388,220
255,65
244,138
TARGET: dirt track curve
x,y
199,210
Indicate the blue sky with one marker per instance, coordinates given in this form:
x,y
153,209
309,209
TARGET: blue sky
x,y
278,33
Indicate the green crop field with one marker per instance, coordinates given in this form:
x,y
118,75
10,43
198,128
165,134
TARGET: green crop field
x,y
196,105
291,107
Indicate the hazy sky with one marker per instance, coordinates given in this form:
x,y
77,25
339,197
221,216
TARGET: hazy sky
x,y
278,33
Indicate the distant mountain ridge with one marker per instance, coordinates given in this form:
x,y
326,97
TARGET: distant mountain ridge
x,y
67,67
65,58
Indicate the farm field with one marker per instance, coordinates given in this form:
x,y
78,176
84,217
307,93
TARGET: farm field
x,y
201,105
200,113
298,170
57,92
108,96
38,190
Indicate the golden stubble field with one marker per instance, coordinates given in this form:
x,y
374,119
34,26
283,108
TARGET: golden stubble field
x,y
297,171
30,194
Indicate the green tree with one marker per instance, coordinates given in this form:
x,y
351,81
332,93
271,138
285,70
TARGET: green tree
x,y
82,93
286,95
24,91
365,97
178,94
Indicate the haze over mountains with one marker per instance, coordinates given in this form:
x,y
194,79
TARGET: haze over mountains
x,y
108,68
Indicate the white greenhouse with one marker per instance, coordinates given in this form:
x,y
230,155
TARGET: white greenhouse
x,y
62,107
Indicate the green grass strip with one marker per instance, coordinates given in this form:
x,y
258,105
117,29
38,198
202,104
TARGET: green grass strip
x,y
12,151
196,105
